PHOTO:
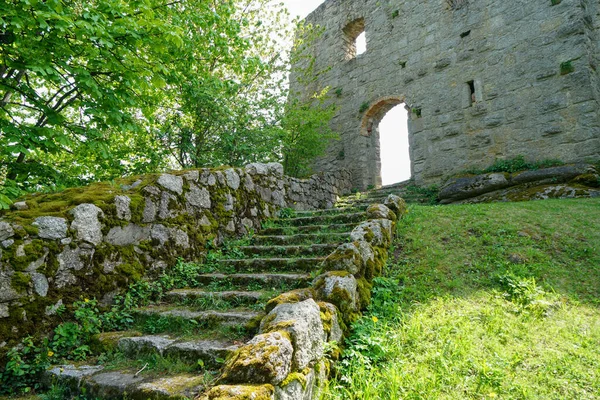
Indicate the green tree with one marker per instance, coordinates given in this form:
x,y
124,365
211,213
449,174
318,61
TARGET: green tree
x,y
93,90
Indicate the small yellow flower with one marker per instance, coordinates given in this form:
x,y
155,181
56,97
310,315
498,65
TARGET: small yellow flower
x,y
86,300
50,353
374,318
493,395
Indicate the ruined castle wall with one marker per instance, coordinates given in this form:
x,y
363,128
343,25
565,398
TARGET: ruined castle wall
x,y
531,64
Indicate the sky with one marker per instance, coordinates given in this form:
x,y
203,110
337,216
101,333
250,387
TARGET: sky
x,y
395,162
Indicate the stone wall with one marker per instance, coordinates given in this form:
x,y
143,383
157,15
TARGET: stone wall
x,y
94,241
482,79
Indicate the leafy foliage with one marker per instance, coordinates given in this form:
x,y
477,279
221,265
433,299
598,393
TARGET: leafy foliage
x,y
96,90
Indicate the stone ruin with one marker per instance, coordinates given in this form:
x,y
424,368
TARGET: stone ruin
x,y
482,80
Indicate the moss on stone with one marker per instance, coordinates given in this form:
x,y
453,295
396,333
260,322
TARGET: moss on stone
x,y
300,377
364,292
20,281
294,296
240,392
108,341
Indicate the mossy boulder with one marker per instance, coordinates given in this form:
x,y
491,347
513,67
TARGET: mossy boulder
x,y
341,289
267,358
380,211
239,392
293,296
356,258
376,232
396,204
303,322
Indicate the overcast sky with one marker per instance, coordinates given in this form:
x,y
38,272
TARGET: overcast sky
x,y
393,129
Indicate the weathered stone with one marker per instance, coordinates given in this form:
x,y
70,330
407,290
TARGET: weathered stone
x,y
7,293
257,169
297,386
150,211
341,289
86,223
240,392
113,385
275,169
180,238
171,182
127,235
331,323
7,243
377,232
173,387
303,322
462,188
346,257
232,178
70,375
4,311
71,260
198,197
396,204
293,296
192,176
267,358
134,346
122,203
6,230
164,210
40,284
20,206
379,211
160,233
51,227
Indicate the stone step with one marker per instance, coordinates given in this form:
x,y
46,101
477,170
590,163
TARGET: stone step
x,y
211,352
290,251
99,384
287,230
266,279
309,238
322,219
206,318
234,297
273,264
329,211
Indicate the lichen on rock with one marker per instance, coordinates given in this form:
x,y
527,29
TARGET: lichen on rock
x,y
267,358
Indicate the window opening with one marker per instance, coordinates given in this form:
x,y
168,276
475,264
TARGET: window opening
x,y
472,97
361,44
355,40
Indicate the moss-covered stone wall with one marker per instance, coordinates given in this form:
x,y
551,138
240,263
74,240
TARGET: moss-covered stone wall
x,y
94,241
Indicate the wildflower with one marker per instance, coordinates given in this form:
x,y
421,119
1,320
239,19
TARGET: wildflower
x,y
50,353
375,319
86,300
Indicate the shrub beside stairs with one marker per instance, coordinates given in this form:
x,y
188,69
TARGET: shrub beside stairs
x,y
262,322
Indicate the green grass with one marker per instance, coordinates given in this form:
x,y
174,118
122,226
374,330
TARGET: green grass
x,y
481,302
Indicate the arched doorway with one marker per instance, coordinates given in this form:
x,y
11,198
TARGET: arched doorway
x,y
386,124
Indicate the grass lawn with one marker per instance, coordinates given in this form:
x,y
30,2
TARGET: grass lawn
x,y
491,301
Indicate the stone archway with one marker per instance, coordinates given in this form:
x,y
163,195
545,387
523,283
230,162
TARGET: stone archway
x,y
370,129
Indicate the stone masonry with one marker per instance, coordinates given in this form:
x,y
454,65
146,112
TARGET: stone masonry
x,y
482,80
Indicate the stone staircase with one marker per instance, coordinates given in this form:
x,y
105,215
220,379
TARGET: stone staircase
x,y
201,326
405,190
